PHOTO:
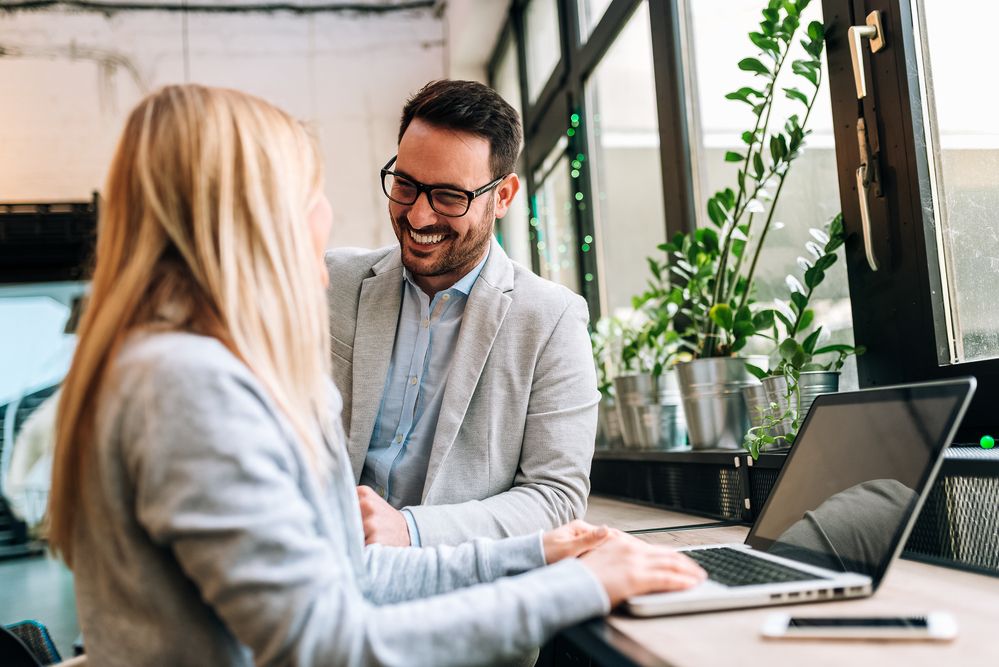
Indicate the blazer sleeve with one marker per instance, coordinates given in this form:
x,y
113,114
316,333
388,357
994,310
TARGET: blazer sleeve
x,y
217,484
552,481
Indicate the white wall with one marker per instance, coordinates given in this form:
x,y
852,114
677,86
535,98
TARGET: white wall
x,y
68,79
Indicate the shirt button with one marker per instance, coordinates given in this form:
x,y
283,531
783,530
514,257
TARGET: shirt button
x,y
446,297
398,438
412,380
426,323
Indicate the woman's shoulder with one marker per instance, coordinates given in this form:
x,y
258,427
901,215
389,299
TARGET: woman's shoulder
x,y
177,366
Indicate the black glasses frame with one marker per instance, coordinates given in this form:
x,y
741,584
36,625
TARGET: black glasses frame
x,y
428,190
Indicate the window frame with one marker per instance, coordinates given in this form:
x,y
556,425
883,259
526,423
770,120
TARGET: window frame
x,y
548,118
894,313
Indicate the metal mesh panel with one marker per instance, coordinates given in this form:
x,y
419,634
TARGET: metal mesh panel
x,y
761,483
960,520
714,489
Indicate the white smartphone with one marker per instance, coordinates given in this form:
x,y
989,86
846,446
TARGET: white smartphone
x,y
934,626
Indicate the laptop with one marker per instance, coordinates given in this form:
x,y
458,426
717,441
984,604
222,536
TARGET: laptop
x,y
842,507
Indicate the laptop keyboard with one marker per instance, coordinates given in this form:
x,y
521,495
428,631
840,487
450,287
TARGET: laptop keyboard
x,y
736,567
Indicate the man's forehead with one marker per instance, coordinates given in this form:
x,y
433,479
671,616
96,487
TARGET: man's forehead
x,y
440,155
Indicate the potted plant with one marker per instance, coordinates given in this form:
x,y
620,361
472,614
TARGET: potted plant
x,y
708,275
607,334
648,398
805,368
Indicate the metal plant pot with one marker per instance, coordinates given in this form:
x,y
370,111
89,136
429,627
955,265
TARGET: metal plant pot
x,y
756,403
608,424
716,413
633,391
663,426
810,385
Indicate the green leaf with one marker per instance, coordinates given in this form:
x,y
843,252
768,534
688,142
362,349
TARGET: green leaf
x,y
814,277
795,94
753,65
799,300
763,320
732,156
756,371
708,238
833,348
716,213
801,68
788,348
812,339
748,138
816,31
758,165
825,261
721,314
764,43
806,320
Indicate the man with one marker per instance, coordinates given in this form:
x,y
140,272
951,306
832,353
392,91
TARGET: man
x,y
468,383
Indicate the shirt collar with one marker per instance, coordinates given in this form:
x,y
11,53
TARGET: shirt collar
x,y
464,285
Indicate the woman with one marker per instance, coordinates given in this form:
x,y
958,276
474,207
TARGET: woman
x,y
201,488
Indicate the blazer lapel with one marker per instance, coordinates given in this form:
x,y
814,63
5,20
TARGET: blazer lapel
x,y
377,319
485,310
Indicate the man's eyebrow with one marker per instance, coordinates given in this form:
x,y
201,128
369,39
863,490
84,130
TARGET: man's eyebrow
x,y
450,186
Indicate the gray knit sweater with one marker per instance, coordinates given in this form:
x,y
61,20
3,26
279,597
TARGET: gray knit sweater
x,y
204,539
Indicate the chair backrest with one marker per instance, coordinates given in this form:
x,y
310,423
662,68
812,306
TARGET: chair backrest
x,y
36,638
13,652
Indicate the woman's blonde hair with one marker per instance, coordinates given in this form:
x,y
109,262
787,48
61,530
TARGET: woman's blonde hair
x,y
203,224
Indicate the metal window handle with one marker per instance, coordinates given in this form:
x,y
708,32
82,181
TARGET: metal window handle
x,y
864,172
873,31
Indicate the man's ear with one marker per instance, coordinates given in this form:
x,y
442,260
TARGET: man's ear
x,y
505,193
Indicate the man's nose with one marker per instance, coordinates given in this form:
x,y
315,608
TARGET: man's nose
x,y
421,214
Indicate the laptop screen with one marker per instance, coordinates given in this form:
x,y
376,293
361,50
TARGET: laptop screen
x,y
858,469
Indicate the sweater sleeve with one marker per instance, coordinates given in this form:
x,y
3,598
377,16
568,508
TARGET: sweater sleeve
x,y
217,483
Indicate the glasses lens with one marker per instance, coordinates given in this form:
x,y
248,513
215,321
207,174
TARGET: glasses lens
x,y
449,202
399,189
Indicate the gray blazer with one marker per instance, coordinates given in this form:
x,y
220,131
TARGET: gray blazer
x,y
515,436
204,538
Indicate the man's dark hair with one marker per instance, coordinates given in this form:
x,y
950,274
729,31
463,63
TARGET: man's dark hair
x,y
468,106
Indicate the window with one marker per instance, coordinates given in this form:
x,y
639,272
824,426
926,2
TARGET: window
x,y
35,350
512,230
718,39
543,44
962,140
590,13
625,163
553,220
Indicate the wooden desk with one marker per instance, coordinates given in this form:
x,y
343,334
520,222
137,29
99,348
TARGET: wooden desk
x,y
732,637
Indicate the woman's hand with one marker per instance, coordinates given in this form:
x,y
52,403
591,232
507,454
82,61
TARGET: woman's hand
x,y
573,539
627,566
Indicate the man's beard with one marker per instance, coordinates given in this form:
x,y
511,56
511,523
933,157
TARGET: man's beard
x,y
460,253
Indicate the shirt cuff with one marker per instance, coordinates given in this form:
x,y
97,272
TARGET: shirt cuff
x,y
414,532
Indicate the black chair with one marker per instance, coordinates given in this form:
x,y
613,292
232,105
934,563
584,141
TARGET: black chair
x,y
14,652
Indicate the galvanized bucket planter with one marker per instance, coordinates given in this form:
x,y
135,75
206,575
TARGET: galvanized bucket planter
x,y
810,385
717,417
649,407
608,424
756,403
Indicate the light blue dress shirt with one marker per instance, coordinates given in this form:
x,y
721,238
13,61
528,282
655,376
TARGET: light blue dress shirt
x,y
402,439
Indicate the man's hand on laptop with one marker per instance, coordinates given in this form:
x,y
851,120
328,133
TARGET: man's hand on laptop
x,y
626,566
383,524
573,539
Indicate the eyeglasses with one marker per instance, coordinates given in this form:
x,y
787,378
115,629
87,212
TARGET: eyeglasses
x,y
448,201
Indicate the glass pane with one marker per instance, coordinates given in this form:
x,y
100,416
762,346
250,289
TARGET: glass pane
x,y
544,48
960,103
512,230
590,13
625,163
553,220
717,35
